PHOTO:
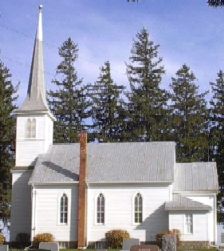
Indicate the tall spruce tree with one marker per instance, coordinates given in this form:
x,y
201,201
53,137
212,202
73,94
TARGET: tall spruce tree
x,y
216,3
68,102
7,136
106,107
217,134
189,117
147,101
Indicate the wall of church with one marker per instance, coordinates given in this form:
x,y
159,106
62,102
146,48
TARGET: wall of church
x,y
204,223
119,210
28,148
21,204
46,211
200,225
209,200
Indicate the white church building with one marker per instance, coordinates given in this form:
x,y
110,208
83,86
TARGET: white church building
x,y
78,192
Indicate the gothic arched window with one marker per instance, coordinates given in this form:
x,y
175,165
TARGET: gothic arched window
x,y
100,209
138,208
31,128
64,209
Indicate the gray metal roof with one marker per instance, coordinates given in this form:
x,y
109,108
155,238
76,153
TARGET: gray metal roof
x,y
108,162
36,97
180,203
196,176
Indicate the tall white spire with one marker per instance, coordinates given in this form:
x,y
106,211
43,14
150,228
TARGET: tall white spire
x,y
40,24
36,93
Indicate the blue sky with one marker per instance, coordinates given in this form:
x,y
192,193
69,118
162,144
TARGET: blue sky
x,y
188,31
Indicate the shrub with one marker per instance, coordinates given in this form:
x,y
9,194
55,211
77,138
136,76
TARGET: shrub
x,y
23,240
2,239
173,232
159,237
176,232
44,237
115,238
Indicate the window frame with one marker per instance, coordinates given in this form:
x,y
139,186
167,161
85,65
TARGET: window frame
x,y
188,224
100,222
63,209
30,128
138,209
33,128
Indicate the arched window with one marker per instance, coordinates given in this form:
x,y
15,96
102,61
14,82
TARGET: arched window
x,y
64,209
138,208
100,209
189,223
28,128
31,128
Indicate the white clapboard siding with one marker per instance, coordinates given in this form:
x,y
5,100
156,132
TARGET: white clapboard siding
x,y
28,149
204,222
119,210
46,211
200,225
212,221
21,204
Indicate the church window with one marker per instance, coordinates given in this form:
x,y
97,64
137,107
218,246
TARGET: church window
x,y
188,223
31,128
28,128
64,209
138,208
100,209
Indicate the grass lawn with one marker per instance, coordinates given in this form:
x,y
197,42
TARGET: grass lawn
x,y
202,249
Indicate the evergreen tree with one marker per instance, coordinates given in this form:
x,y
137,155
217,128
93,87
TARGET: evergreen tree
x,y
68,102
213,3
216,3
7,136
217,133
189,121
147,101
106,107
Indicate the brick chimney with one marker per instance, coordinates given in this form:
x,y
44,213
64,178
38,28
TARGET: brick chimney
x,y
82,202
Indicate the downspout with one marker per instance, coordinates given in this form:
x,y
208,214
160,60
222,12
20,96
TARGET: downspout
x,y
33,228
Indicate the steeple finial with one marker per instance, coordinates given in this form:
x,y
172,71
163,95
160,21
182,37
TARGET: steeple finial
x,y
40,26
36,93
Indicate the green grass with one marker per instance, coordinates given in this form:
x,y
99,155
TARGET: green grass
x,y
201,249
13,249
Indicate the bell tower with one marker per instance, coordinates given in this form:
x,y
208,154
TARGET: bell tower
x,y
34,121
34,135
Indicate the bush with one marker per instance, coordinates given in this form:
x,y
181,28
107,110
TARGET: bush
x,y
115,238
23,240
44,237
176,232
2,239
159,237
173,232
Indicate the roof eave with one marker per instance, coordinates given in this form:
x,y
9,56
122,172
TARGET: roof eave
x,y
127,182
34,112
52,183
188,209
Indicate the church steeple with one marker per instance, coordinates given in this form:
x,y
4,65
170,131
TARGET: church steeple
x,y
34,121
36,93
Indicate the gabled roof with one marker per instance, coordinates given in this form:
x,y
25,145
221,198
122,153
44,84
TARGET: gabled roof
x,y
108,163
196,176
180,203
